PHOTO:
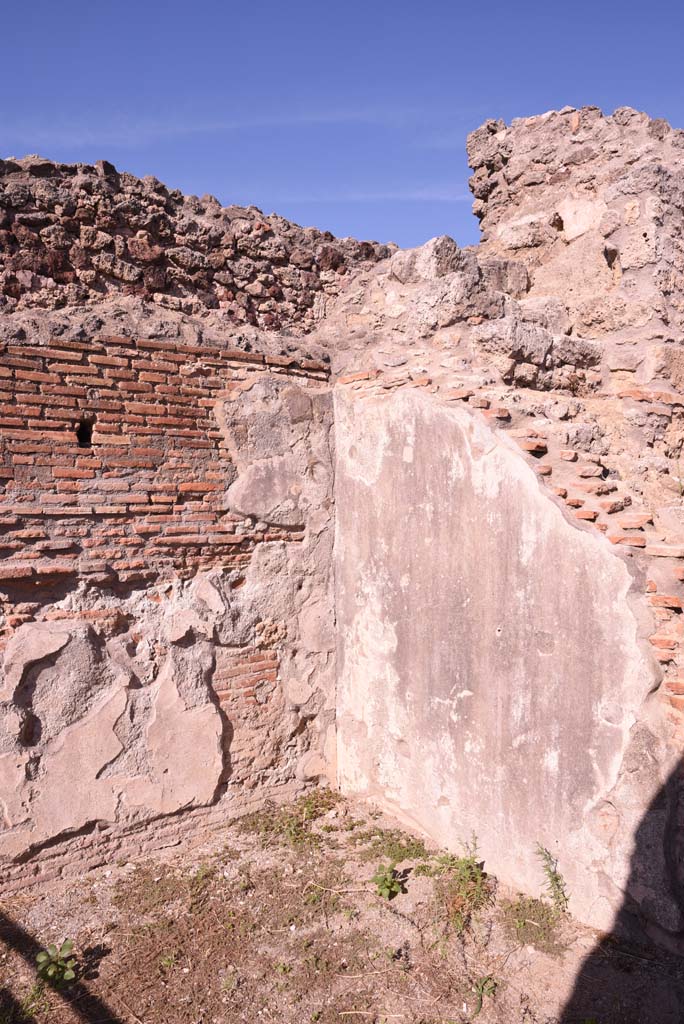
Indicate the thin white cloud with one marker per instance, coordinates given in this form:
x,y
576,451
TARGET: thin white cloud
x,y
131,133
409,194
429,128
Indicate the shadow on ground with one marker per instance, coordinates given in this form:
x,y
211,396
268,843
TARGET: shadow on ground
x,y
635,974
86,1006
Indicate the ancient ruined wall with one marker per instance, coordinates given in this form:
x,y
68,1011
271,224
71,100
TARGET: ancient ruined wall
x,y
510,530
471,538
164,588
591,205
81,234
492,656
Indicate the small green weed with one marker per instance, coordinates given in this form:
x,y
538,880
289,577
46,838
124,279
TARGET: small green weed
x,y
555,885
291,824
56,966
203,874
533,922
148,888
203,883
463,886
388,882
397,846
230,982
322,897
437,865
34,1003
486,986
167,961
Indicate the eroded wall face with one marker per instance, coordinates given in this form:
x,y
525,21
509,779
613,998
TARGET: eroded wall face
x,y
491,674
165,595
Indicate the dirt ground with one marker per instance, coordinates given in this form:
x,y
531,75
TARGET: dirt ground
x,y
279,919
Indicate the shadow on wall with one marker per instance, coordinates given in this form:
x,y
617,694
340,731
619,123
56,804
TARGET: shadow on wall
x,y
635,973
85,1006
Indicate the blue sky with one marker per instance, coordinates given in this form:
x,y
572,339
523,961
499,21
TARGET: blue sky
x,y
351,116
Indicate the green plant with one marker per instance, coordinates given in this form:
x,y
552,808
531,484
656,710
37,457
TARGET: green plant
x,y
36,1001
291,824
397,846
204,873
437,865
388,881
555,884
33,1004
533,922
167,961
463,886
55,965
483,987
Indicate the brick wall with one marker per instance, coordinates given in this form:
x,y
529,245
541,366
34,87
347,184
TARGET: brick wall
x,y
155,630
142,496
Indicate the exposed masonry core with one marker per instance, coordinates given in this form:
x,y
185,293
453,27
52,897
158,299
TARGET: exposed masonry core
x,y
156,559
415,528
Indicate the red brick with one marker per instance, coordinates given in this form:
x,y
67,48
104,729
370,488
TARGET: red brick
x,y
73,474
12,571
70,391
665,550
630,540
665,642
635,520
115,361
38,378
645,395
611,506
666,601
535,446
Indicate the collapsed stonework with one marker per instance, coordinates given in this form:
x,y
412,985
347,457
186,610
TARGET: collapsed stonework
x,y
420,533
75,233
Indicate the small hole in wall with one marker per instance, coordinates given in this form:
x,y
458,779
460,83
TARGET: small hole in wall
x,y
84,434
610,254
31,730
557,222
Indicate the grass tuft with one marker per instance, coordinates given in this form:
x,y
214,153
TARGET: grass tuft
x,y
390,844
292,823
464,887
533,922
555,885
